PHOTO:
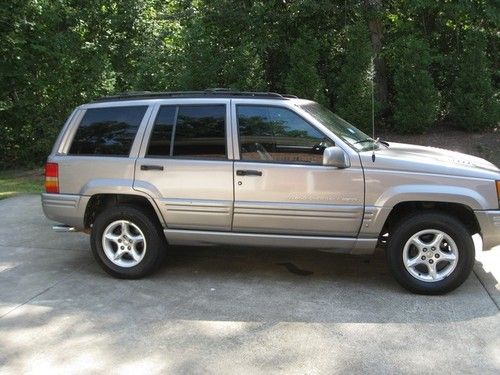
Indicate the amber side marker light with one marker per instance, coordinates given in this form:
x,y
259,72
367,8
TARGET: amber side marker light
x,y
498,192
52,178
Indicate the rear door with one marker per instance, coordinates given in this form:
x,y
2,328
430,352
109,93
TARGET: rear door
x,y
281,185
185,163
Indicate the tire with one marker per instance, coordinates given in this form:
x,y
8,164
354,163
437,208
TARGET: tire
x,y
121,253
411,244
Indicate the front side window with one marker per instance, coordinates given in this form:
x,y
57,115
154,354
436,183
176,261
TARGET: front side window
x,y
107,131
269,133
198,131
347,132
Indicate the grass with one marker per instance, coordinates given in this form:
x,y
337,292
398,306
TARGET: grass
x,y
14,182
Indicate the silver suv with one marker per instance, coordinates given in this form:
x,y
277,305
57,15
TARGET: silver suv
x,y
142,171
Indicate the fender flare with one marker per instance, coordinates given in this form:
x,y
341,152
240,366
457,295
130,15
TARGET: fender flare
x,y
121,187
431,193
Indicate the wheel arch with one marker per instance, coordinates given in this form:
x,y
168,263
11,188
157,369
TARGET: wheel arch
x,y
99,202
461,212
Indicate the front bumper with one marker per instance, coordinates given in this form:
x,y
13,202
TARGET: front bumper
x,y
68,209
489,221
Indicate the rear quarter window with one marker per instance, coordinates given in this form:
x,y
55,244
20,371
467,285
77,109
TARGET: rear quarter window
x,y
107,131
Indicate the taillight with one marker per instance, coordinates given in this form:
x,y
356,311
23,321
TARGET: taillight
x,y
52,178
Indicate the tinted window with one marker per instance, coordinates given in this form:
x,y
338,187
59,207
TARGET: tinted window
x,y
349,133
107,131
159,144
278,134
200,131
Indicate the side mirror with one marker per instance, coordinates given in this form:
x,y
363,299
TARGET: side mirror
x,y
336,157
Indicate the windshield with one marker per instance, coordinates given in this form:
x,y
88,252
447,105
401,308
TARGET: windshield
x,y
347,132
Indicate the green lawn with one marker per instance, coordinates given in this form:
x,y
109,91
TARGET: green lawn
x,y
20,182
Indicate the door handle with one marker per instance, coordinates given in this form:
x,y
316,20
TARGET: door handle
x,y
151,167
248,172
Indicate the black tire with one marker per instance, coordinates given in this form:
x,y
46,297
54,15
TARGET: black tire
x,y
153,234
411,225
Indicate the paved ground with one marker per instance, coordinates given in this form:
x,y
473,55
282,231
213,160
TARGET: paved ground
x,y
230,310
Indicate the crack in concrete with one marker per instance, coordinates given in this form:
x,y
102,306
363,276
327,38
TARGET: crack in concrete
x,y
36,295
42,248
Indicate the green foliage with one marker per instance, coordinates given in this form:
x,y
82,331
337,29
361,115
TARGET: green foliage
x,y
416,100
473,105
49,63
219,49
303,78
354,91
55,55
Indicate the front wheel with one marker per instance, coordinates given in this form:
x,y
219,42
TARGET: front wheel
x,y
127,242
430,253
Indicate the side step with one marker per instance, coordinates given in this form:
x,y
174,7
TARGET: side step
x,y
344,245
63,228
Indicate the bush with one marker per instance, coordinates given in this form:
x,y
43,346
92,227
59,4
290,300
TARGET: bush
x,y
473,105
354,90
303,78
415,103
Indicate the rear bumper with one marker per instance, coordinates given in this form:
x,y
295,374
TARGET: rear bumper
x,y
489,221
68,209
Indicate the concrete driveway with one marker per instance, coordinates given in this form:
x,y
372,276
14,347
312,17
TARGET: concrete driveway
x,y
230,310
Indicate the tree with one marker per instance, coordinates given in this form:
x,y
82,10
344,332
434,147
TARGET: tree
x,y
374,12
416,100
473,105
354,90
219,48
303,78
55,55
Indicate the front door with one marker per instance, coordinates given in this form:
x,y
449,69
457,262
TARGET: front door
x,y
280,184
184,163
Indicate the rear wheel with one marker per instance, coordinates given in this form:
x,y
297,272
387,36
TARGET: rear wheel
x,y
127,242
430,253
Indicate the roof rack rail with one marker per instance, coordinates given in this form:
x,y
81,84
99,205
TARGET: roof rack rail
x,y
208,93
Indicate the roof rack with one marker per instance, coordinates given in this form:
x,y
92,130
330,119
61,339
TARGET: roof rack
x,y
208,93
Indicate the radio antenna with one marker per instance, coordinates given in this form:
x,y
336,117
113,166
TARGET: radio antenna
x,y
371,77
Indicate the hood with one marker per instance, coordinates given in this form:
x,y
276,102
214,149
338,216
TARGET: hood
x,y
413,158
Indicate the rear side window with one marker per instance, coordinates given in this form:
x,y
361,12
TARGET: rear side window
x,y
198,131
107,131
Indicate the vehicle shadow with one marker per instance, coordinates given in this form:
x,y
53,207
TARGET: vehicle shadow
x,y
306,285
488,281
